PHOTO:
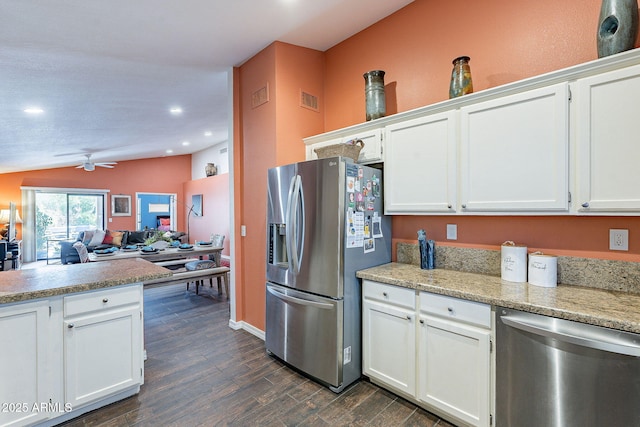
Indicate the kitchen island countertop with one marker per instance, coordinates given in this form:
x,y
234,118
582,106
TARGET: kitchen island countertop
x,y
611,309
28,284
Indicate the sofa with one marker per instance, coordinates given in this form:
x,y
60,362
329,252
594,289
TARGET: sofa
x,y
99,239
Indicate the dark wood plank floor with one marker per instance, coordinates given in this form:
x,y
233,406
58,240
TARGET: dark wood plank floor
x,y
199,372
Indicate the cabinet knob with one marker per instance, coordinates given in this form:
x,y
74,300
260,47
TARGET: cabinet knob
x,y
70,325
422,321
585,205
449,206
450,309
408,317
384,294
105,300
464,206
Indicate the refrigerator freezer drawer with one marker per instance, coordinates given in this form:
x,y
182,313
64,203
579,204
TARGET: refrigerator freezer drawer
x,y
305,331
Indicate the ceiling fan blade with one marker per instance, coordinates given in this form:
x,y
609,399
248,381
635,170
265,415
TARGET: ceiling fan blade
x,y
105,165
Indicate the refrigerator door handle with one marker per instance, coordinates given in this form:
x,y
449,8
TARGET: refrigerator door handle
x,y
299,301
295,230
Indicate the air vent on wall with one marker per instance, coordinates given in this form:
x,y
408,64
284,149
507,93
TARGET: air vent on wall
x,y
223,150
308,101
260,96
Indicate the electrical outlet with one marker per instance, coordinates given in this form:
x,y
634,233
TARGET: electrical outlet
x,y
452,231
618,240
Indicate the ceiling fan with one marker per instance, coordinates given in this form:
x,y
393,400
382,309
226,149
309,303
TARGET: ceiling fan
x,y
89,166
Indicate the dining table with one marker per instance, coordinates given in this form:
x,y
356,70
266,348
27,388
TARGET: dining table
x,y
161,255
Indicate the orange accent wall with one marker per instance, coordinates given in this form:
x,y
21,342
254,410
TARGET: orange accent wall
x,y
271,135
215,209
506,40
162,174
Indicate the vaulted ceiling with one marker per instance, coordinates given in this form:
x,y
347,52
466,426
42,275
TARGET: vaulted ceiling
x,y
105,73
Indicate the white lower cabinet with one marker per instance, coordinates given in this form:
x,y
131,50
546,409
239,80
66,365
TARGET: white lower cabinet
x,y
66,355
102,343
454,363
24,363
432,349
390,312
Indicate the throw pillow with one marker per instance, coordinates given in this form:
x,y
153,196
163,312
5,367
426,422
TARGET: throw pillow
x,y
136,237
88,235
165,221
108,238
117,237
98,237
82,251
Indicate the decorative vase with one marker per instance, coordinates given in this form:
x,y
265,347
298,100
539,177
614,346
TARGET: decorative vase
x,y
461,83
617,26
374,94
210,169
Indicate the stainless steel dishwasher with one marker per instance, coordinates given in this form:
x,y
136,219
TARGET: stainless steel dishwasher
x,y
558,373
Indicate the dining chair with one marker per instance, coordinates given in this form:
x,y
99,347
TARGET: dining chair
x,y
217,240
3,254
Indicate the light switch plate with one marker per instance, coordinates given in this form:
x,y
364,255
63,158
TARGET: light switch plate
x,y
452,231
618,240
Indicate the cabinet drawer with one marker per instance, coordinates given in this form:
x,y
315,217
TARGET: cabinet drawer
x,y
471,312
388,293
100,300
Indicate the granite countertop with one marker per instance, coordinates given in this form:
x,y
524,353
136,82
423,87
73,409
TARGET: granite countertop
x,y
612,309
23,285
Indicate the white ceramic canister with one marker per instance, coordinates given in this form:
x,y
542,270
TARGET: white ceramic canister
x,y
543,270
513,264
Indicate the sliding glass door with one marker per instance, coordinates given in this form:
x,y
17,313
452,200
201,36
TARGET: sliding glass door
x,y
61,216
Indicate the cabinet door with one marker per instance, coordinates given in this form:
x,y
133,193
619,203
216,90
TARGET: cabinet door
x,y
372,150
102,354
370,153
420,165
389,345
607,142
454,369
24,363
514,152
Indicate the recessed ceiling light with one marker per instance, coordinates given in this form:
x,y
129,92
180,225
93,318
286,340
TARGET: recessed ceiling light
x,y
208,133
169,151
185,143
175,110
33,110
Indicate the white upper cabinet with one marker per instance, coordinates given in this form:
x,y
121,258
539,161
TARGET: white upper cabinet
x,y
514,152
523,148
370,153
607,142
420,165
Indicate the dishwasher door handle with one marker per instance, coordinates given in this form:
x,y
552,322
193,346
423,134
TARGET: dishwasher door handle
x,y
602,342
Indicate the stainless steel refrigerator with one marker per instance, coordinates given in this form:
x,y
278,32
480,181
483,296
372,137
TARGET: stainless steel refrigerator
x,y
324,222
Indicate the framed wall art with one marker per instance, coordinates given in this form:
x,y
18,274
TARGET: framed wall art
x,y
196,201
120,205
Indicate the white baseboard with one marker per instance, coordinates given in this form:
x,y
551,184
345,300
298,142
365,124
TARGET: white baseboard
x,y
247,327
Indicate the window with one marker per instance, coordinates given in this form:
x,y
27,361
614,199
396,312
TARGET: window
x,y
62,215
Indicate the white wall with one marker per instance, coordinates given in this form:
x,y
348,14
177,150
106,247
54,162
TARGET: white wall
x,y
213,155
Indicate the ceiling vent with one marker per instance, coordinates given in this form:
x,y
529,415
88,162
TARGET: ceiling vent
x,y
223,150
308,101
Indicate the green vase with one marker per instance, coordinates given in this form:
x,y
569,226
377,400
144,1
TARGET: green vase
x,y
617,26
461,83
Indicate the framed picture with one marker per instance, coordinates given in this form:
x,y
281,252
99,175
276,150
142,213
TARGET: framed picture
x,y
196,201
120,205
